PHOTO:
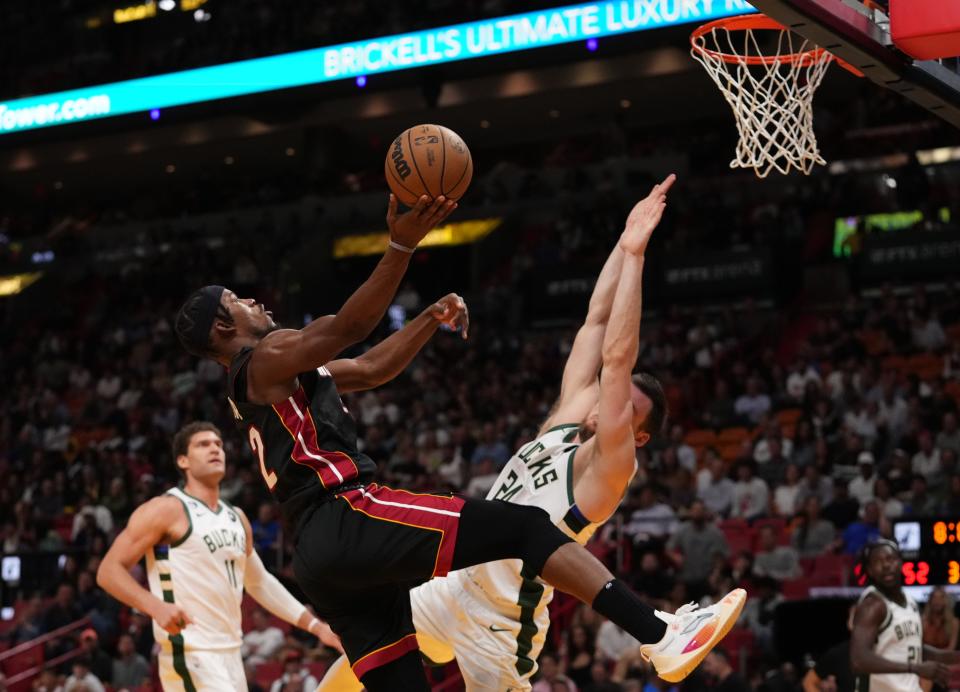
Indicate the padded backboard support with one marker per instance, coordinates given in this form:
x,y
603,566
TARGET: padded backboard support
x,y
926,29
848,30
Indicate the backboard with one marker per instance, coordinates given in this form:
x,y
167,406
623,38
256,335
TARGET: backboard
x,y
860,33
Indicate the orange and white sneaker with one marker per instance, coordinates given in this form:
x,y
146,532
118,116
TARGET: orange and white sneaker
x,y
691,634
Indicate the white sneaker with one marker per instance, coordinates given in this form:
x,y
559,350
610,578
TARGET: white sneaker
x,y
691,634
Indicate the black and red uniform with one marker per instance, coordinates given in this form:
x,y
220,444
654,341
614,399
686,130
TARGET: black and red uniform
x,y
360,546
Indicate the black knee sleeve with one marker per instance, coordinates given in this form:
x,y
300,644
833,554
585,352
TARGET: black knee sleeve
x,y
495,530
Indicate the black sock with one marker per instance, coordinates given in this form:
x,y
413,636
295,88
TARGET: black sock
x,y
621,606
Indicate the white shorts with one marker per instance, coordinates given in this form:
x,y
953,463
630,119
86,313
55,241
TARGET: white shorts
x,y
452,624
208,671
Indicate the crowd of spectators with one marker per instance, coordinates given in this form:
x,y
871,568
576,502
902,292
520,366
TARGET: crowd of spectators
x,y
796,434
93,401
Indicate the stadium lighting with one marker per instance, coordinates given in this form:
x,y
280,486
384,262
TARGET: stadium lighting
x,y
155,114
362,81
167,5
201,16
592,44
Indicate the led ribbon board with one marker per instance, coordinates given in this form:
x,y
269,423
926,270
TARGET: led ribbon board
x,y
390,53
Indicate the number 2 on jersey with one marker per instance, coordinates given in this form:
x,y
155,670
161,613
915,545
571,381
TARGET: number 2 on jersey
x,y
256,443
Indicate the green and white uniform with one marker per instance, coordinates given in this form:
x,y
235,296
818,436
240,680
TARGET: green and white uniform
x,y
203,573
900,639
493,617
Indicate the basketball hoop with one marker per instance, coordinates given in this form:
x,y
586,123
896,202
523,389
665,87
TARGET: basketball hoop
x,y
770,89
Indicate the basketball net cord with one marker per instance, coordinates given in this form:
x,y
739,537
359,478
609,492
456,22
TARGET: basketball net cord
x,y
772,99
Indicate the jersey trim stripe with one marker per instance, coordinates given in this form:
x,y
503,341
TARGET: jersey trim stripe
x,y
176,640
570,476
333,468
185,536
290,422
531,591
402,505
384,655
431,512
562,426
202,503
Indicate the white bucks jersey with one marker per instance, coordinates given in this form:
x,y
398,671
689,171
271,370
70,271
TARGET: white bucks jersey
x,y
539,475
900,639
203,574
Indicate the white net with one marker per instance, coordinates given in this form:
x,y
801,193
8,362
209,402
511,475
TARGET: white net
x,y
770,91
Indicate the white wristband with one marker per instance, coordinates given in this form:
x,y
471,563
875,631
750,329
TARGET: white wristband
x,y
402,248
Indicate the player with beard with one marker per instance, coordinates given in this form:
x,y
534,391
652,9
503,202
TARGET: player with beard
x,y
887,653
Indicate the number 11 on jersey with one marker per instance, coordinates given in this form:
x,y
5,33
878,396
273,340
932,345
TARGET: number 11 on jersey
x,y
231,566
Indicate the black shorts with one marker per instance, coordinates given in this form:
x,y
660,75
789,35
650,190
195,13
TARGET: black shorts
x,y
358,555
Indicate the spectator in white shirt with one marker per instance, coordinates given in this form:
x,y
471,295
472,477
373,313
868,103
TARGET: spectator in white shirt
x,y
713,485
750,494
262,642
484,476
800,376
926,461
785,496
927,333
761,452
753,403
862,419
861,487
652,519
613,642
82,679
686,456
893,413
296,677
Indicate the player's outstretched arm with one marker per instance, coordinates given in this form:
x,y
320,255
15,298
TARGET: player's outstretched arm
x,y
267,590
578,390
608,458
285,353
147,527
391,356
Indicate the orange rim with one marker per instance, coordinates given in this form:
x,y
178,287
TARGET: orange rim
x,y
745,22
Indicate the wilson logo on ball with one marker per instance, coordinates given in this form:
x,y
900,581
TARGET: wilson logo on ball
x,y
399,163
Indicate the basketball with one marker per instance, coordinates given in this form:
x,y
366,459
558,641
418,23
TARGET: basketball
x,y
428,160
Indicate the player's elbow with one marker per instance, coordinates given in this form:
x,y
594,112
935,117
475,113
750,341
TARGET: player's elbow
x,y
619,356
103,579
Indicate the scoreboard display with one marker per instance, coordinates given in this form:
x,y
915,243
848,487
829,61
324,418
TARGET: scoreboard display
x,y
931,551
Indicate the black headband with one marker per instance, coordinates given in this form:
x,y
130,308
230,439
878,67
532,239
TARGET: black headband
x,y
195,318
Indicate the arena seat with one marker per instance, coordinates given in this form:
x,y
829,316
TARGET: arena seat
x,y
740,540
733,435
833,569
700,438
267,672
739,646
789,416
778,524
798,589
